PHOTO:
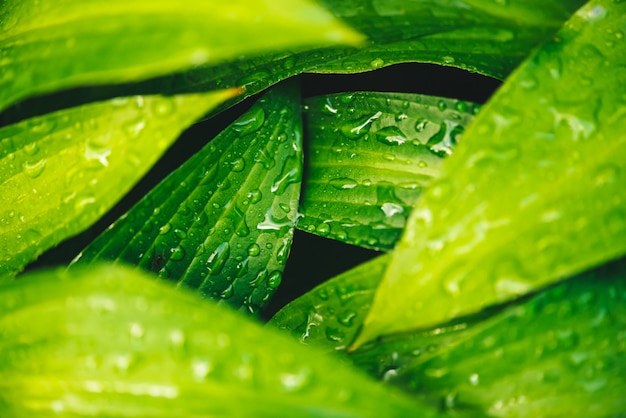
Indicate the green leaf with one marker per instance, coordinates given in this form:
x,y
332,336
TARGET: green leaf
x,y
60,172
369,157
48,46
223,222
559,354
329,316
533,194
482,36
109,341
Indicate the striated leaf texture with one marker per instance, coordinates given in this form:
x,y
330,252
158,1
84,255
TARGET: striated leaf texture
x,y
484,36
111,342
369,157
53,45
533,194
223,222
60,172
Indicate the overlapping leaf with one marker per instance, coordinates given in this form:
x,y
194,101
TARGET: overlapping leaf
x,y
559,354
223,222
48,46
109,341
369,157
60,172
534,192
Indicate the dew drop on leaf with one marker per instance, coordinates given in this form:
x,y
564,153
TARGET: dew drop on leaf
x,y
251,121
390,135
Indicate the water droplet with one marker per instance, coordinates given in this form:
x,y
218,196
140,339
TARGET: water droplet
x,y
293,382
251,121
343,183
323,229
180,233
228,292
217,259
31,149
448,60
359,127
346,318
201,369
334,334
136,330
35,169
259,279
163,106
391,209
133,128
165,229
242,229
390,135
289,174
254,250
274,279
238,165
177,338
328,107
474,379
377,63
177,253
442,105
283,252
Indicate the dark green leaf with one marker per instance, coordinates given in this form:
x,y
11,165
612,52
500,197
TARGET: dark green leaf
x,y
485,36
533,194
111,342
223,222
60,172
369,157
47,46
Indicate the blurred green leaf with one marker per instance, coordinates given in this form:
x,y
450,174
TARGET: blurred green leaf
x,y
534,192
109,341
369,157
559,354
223,222
60,172
49,46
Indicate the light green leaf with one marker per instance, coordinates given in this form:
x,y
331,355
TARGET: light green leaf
x,y
110,341
369,157
533,194
60,172
223,222
48,46
559,354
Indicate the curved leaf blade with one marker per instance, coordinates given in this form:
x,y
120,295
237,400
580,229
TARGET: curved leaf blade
x,y
109,341
60,172
48,46
521,204
369,157
559,354
223,222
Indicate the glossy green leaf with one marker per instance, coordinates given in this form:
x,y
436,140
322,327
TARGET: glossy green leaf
x,y
485,36
223,222
369,157
533,194
559,354
111,342
329,316
60,172
48,46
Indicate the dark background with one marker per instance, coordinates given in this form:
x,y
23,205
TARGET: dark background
x,y
313,259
